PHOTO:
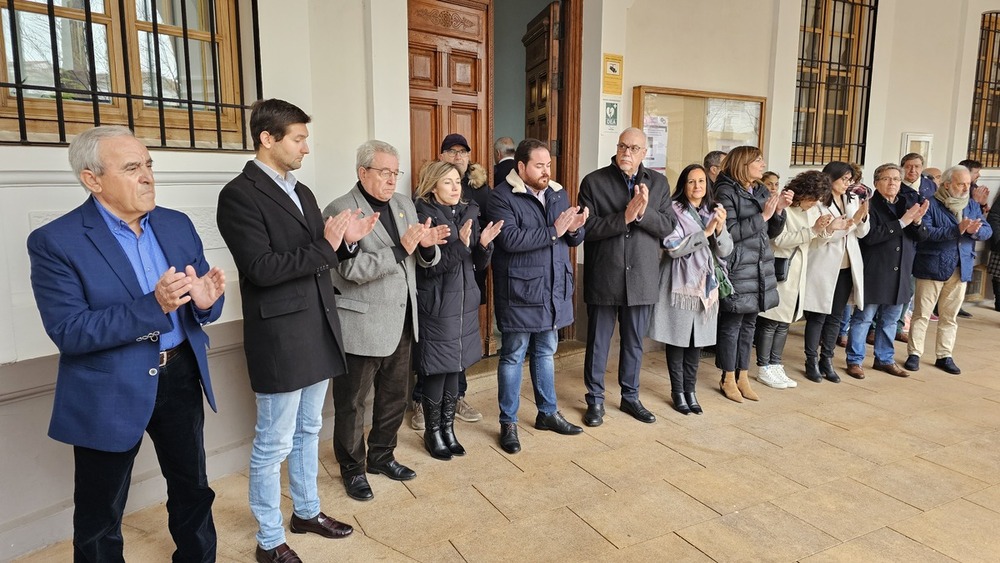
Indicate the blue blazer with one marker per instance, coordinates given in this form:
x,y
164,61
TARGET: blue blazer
x,y
95,311
945,250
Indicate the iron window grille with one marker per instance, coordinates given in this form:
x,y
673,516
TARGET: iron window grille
x,y
833,86
174,71
984,132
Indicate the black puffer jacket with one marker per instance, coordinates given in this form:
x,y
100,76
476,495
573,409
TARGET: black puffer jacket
x,y
751,264
447,294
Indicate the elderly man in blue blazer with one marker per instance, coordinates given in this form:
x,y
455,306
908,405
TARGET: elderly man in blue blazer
x,y
123,289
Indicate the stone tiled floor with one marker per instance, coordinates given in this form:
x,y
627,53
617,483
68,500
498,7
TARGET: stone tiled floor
x,y
882,469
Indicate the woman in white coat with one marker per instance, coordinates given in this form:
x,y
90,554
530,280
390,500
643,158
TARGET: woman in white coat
x,y
802,224
838,252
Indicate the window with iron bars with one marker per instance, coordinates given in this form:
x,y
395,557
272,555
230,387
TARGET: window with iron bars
x,y
833,88
984,132
171,70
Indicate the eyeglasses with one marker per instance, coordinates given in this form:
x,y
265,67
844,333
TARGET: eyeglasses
x,y
457,152
893,180
386,173
634,149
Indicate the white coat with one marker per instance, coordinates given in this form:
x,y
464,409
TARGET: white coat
x,y
826,256
798,233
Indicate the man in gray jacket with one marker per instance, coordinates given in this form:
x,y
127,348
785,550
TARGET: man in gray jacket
x,y
630,214
377,296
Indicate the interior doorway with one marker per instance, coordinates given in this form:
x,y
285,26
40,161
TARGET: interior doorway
x,y
468,75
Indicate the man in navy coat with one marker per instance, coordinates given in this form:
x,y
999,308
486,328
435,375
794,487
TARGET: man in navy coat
x,y
123,289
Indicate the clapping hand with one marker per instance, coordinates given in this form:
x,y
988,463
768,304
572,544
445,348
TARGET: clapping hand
x,y
637,205
840,223
821,223
465,233
572,220
970,226
861,213
207,289
490,232
915,213
359,226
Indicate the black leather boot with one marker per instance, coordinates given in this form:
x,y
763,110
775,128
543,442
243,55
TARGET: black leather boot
x,y
692,402
433,440
680,403
826,368
812,371
448,425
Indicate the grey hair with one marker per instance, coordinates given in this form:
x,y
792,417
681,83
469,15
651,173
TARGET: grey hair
x,y
85,149
885,168
366,152
504,146
947,174
714,158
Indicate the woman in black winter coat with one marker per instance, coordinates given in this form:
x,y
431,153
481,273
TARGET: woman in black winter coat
x,y
448,302
753,217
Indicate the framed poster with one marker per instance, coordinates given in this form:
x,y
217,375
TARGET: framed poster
x,y
920,143
699,122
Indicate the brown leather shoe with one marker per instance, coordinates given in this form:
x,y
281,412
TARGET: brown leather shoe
x,y
855,371
902,337
280,554
891,369
322,525
842,341
870,339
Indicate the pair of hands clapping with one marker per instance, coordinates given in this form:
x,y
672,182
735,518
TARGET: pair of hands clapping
x,y
489,233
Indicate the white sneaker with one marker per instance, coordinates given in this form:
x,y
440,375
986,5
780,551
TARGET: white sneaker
x,y
789,382
769,375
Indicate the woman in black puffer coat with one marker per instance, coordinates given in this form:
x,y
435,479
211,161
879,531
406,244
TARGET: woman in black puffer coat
x,y
753,217
448,302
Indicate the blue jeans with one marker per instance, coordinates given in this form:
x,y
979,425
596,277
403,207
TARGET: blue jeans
x,y
885,333
513,347
288,425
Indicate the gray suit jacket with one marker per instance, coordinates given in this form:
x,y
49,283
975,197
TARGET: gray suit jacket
x,y
374,287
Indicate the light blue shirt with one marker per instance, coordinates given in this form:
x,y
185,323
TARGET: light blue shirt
x,y
286,182
148,263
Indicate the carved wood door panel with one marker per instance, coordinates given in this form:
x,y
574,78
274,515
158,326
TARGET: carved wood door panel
x,y
541,64
451,91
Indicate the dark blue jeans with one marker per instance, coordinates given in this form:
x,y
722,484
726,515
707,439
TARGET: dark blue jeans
x,y
102,478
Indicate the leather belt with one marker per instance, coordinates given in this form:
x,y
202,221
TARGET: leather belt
x,y
167,355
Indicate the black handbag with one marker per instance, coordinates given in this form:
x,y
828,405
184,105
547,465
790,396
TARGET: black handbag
x,y
781,266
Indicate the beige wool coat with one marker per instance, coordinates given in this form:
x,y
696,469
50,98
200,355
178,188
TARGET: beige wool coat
x,y
825,258
798,234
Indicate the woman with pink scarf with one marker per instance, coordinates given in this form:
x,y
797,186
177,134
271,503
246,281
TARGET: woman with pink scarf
x,y
685,316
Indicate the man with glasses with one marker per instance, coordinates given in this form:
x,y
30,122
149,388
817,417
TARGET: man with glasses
x,y
630,214
376,306
888,252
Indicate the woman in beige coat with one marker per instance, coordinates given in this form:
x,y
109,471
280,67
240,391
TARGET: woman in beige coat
x,y
828,292
802,224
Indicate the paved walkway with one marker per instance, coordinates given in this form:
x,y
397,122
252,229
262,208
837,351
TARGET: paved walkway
x,y
883,469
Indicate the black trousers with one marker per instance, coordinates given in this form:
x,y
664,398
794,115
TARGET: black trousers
x,y
418,387
769,339
682,364
437,384
632,323
734,340
822,330
101,479
390,377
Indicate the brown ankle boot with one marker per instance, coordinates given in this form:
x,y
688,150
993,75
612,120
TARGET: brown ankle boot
x,y
728,386
743,384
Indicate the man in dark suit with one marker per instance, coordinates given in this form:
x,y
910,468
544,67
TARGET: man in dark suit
x,y
630,214
123,289
503,155
284,252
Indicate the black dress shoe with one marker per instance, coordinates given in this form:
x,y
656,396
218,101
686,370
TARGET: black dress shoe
x,y
826,368
556,423
680,403
393,470
320,524
595,415
948,365
280,554
692,401
964,314
357,487
508,438
637,411
912,363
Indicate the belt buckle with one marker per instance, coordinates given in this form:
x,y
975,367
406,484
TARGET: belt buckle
x,y
163,357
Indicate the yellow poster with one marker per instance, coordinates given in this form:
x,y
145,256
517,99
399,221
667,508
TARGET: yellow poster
x,y
612,83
